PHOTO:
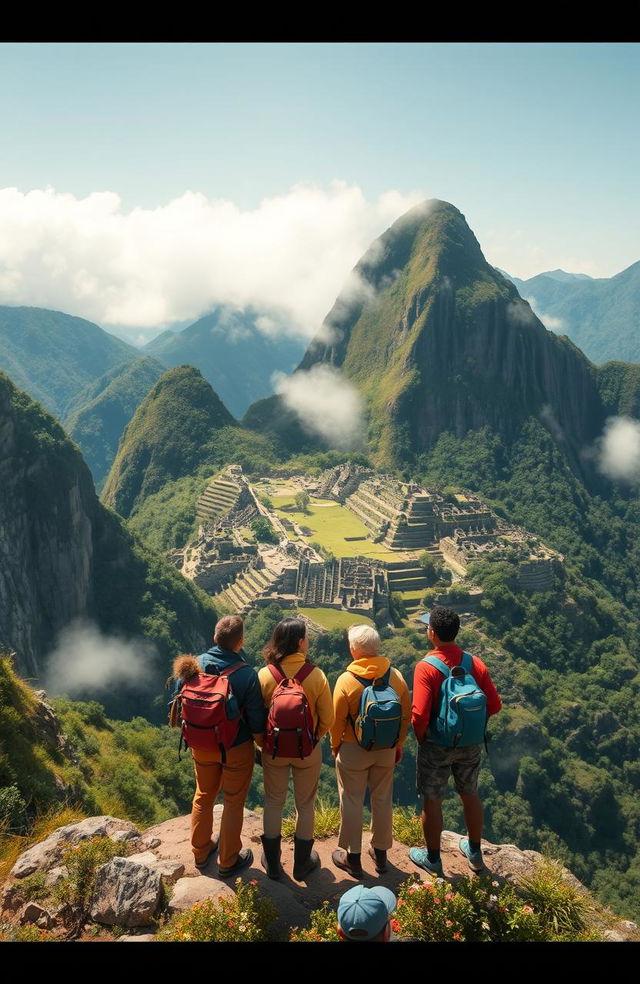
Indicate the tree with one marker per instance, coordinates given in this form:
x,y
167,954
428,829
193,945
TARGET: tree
x,y
302,500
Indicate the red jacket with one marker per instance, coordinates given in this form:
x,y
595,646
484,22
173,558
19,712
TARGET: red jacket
x,y
427,681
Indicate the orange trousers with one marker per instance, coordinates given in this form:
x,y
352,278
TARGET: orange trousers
x,y
234,778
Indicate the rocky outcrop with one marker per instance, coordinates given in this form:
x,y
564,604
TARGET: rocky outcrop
x,y
126,893
48,853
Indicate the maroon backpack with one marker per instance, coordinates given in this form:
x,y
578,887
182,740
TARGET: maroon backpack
x,y
289,732
205,710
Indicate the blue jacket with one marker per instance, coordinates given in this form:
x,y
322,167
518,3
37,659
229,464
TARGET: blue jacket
x,y
245,688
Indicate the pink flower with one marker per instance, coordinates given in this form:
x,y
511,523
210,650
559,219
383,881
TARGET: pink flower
x,y
395,925
457,936
527,908
448,923
230,923
449,896
436,900
400,902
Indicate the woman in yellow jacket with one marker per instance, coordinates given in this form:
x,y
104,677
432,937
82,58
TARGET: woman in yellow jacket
x,y
287,650
358,768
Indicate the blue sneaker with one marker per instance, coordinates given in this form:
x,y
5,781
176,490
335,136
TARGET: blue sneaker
x,y
420,857
473,857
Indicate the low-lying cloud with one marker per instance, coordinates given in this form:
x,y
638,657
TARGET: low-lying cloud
x,y
548,320
326,404
148,268
619,449
85,661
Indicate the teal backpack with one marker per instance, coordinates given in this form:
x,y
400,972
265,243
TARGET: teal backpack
x,y
461,718
379,715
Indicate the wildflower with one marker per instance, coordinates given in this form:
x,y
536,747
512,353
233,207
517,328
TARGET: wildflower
x,y
527,908
457,936
415,888
495,884
449,896
439,881
400,902
485,925
254,882
395,925
436,899
242,928
493,898
230,923
448,923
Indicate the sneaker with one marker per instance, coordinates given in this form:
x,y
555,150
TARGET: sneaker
x,y
473,857
213,847
420,856
245,857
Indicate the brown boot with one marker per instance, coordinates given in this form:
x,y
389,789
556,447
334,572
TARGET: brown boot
x,y
348,862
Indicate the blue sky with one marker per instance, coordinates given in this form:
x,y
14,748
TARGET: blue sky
x,y
537,144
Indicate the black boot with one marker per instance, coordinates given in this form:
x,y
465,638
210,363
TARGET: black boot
x,y
380,858
270,859
304,859
348,862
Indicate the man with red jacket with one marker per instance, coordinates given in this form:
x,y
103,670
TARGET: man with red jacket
x,y
435,762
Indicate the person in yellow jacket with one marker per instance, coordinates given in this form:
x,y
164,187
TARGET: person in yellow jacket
x,y
288,649
358,768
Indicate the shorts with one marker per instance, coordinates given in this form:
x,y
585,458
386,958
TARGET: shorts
x,y
435,763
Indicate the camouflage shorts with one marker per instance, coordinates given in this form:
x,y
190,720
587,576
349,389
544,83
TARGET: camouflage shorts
x,y
435,763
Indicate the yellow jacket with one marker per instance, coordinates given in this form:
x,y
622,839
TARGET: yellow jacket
x,y
316,687
347,693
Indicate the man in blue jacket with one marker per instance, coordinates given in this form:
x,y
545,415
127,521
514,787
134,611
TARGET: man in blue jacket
x,y
234,775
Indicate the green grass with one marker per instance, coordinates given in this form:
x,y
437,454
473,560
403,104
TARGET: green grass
x,y
326,821
330,523
330,618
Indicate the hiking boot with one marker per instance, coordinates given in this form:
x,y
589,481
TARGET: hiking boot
x,y
348,862
420,856
380,858
213,847
245,857
270,859
474,858
304,859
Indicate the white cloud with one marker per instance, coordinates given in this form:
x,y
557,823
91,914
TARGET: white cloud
x,y
86,660
148,268
326,404
548,320
619,449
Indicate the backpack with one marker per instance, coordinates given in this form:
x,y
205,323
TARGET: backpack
x,y
461,718
209,712
289,732
379,715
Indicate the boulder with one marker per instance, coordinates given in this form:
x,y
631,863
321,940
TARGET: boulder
x,y
142,938
48,852
188,891
169,871
126,894
35,913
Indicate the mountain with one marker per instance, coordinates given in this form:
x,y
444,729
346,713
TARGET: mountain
x,y
231,353
435,339
601,316
54,356
169,436
99,414
65,557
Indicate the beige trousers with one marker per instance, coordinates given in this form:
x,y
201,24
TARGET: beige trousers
x,y
357,769
306,773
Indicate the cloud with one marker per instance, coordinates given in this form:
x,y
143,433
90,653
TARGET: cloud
x,y
548,320
326,404
550,421
149,268
85,660
619,449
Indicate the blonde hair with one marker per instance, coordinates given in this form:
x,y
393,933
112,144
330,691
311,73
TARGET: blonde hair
x,y
363,639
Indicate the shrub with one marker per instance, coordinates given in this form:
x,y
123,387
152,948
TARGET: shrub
x,y
326,821
247,917
322,928
13,809
32,888
407,827
561,908
82,863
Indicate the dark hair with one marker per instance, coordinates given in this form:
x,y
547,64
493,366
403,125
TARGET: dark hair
x,y
229,631
445,623
285,639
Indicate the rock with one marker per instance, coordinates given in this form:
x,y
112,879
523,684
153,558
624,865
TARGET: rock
x,y
34,913
188,891
142,938
149,843
631,926
55,875
611,936
11,898
168,870
125,894
48,852
121,836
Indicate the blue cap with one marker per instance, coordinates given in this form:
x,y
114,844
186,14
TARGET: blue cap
x,y
424,618
363,912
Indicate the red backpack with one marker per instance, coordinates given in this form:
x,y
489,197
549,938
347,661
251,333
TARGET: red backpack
x,y
205,710
289,732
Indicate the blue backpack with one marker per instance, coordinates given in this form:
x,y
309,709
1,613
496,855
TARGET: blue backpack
x,y
461,718
379,715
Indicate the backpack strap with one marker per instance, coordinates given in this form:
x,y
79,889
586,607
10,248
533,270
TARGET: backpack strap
x,y
383,681
304,672
228,670
467,663
277,673
362,680
438,663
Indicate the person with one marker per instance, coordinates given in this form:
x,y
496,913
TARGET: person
x,y
286,653
358,768
233,777
363,914
435,762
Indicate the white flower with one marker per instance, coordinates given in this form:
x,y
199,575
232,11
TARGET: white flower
x,y
493,898
485,925
495,884
242,928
